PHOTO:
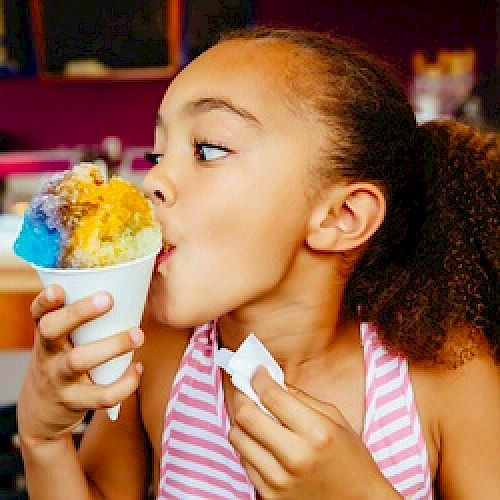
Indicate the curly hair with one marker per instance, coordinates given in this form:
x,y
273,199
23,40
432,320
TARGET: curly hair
x,y
428,277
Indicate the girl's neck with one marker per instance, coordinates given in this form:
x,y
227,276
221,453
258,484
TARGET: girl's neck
x,y
297,321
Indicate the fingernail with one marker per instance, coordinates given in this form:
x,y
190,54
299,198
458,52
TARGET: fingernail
x,y
261,369
50,293
139,368
137,336
101,301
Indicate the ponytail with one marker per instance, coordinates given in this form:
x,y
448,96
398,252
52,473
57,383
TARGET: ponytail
x,y
430,270
442,277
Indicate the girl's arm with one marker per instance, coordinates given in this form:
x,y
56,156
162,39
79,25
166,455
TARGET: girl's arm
x,y
56,394
111,462
470,430
113,454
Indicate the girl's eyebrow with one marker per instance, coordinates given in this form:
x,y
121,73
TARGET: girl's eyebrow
x,y
206,104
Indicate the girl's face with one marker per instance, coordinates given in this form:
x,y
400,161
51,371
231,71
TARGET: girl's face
x,y
231,185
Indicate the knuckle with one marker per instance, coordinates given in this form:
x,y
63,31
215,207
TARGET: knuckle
x,y
281,482
77,310
66,400
299,463
72,362
234,432
43,375
34,308
125,341
269,395
269,494
322,436
69,400
37,303
106,399
43,327
132,383
50,375
243,413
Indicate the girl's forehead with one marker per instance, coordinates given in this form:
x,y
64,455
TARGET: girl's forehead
x,y
258,56
253,75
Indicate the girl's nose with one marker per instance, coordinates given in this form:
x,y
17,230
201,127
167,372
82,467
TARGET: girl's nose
x,y
158,194
159,188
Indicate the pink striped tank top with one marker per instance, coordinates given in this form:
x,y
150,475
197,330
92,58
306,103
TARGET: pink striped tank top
x,y
198,462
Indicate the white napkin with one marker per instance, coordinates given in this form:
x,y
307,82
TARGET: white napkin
x,y
242,364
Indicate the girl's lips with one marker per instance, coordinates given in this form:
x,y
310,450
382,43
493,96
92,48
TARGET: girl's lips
x,y
163,256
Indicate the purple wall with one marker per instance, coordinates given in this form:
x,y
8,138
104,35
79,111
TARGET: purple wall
x,y
43,114
47,114
395,28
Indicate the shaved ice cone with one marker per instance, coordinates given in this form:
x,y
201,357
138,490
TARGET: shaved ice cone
x,y
88,235
128,284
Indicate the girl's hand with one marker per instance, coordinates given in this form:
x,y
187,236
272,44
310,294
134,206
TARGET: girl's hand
x,y
312,452
57,390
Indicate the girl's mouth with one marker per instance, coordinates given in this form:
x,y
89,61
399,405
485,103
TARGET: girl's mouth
x,y
162,258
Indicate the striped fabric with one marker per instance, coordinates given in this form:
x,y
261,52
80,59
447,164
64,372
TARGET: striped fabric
x,y
392,430
198,462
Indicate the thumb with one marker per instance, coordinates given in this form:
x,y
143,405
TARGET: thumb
x,y
328,409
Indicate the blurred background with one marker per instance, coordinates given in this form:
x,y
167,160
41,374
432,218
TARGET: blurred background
x,y
82,80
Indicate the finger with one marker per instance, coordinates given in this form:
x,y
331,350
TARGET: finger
x,y
294,414
268,469
64,320
47,300
83,358
258,482
289,449
327,409
86,396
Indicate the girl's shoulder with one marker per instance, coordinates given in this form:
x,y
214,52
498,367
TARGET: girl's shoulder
x,y
450,383
461,406
474,381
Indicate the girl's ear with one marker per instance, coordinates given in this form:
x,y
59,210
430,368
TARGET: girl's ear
x,y
346,217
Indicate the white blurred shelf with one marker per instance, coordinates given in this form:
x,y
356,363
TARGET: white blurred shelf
x,y
13,365
15,274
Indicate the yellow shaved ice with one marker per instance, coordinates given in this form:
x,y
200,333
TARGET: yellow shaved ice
x,y
112,221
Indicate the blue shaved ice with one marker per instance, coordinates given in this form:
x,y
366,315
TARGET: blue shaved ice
x,y
37,243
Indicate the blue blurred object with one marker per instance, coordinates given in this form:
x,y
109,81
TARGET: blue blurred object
x,y
37,243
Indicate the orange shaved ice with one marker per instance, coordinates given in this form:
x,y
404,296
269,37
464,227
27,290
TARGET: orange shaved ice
x,y
112,222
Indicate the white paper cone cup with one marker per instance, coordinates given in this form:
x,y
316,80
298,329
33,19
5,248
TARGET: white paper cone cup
x,y
128,283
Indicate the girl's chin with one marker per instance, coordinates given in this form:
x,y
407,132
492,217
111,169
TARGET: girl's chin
x,y
162,311
184,317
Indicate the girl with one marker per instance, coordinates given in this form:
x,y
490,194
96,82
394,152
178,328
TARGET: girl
x,y
300,201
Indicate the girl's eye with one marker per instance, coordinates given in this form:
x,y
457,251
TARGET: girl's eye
x,y
205,151
153,158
